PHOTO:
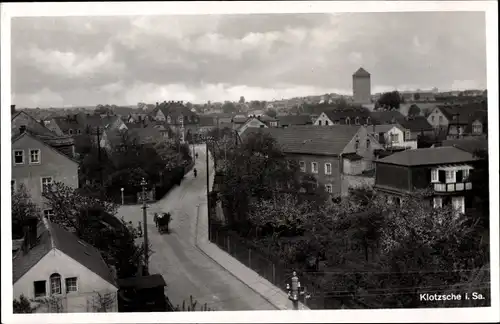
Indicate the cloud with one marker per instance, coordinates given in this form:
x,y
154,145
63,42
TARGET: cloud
x,y
92,60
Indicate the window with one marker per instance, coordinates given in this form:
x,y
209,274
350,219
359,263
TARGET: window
x,y
48,213
319,122
376,136
368,120
71,285
458,204
408,135
434,175
450,176
70,132
347,121
326,122
40,288
438,202
35,156
13,185
46,183
367,143
394,138
314,167
432,118
465,174
302,165
329,188
357,121
18,156
356,144
440,119
55,284
169,120
328,168
477,128
78,131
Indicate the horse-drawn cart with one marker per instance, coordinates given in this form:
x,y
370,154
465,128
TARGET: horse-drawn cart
x,y
162,222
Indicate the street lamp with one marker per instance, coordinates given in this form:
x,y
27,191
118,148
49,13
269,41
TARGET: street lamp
x,y
123,200
295,291
145,221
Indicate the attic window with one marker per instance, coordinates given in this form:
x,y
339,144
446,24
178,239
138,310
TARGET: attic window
x,y
357,120
347,121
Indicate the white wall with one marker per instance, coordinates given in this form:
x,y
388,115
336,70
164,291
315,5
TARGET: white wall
x,y
323,119
57,262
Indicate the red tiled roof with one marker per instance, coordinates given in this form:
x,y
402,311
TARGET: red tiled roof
x,y
313,140
429,156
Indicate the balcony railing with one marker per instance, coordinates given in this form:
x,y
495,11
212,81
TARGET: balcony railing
x,y
452,187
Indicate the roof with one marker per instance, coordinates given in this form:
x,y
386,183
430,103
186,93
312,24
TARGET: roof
x,y
468,144
429,156
291,120
144,282
146,134
416,124
464,112
337,114
205,121
94,121
240,119
34,126
66,123
313,140
361,73
386,117
175,109
266,118
53,236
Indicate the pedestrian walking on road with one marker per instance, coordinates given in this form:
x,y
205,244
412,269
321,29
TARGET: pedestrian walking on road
x,y
195,172
139,228
155,219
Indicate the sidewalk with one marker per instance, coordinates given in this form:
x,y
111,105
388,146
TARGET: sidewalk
x,y
261,286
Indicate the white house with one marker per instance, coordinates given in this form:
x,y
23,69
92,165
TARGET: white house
x,y
393,135
60,273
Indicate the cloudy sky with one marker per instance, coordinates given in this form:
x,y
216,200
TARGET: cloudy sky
x,y
66,61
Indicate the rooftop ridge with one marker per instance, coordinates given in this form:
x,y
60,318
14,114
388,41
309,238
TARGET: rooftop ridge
x,y
48,226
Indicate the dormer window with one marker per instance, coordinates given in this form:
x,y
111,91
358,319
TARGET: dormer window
x,y
368,120
357,121
347,121
169,120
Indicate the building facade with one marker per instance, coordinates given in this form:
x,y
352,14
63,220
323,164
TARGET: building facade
x,y
361,86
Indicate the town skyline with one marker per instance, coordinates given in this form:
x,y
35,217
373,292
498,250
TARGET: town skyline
x,y
83,61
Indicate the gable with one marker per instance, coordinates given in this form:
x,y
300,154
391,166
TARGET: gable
x,y
48,153
55,261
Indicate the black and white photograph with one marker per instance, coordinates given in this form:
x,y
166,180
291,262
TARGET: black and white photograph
x,y
185,162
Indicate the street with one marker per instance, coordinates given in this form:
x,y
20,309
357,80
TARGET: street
x,y
185,268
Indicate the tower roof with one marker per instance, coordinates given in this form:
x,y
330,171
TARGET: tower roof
x,y
361,73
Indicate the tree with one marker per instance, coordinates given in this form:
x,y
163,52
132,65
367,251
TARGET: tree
x,y
23,208
390,100
71,209
414,111
229,107
23,306
271,113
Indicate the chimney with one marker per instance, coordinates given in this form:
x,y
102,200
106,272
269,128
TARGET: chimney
x,y
22,129
12,109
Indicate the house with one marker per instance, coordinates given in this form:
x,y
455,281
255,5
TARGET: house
x,y
70,125
294,120
256,113
392,136
180,118
37,164
470,144
56,266
344,116
253,122
458,119
318,150
415,127
444,169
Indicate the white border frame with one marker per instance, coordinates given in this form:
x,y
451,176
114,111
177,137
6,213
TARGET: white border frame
x,y
9,10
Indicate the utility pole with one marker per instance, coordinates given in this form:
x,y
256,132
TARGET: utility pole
x,y
145,221
295,291
208,191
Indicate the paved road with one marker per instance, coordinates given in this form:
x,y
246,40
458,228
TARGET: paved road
x,y
186,269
